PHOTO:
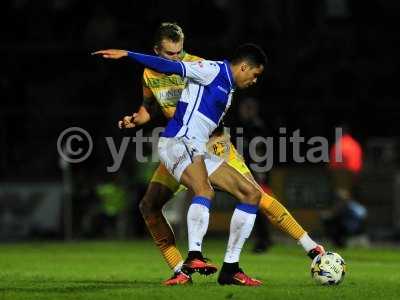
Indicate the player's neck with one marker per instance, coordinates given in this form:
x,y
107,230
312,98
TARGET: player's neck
x,y
235,69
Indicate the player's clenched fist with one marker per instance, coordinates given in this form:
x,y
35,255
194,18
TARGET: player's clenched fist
x,y
139,118
127,122
111,53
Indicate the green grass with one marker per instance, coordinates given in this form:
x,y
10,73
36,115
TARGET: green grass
x,y
134,270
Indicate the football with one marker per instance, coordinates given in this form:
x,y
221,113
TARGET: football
x,y
328,268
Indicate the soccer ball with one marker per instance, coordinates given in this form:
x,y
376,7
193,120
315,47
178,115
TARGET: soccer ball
x,y
328,268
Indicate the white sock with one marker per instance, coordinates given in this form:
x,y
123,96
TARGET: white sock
x,y
307,243
178,267
242,223
197,221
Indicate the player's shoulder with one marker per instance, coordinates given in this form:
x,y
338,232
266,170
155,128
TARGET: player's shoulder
x,y
191,58
206,65
150,74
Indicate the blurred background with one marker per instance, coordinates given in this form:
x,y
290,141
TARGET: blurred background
x,y
331,63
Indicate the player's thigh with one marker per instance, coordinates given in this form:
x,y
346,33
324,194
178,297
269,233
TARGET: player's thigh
x,y
230,180
237,162
221,146
250,177
177,156
195,177
163,177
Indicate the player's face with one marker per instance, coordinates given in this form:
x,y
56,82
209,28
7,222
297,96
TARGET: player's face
x,y
170,50
248,75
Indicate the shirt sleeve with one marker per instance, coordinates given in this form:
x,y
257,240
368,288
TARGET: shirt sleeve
x,y
202,72
158,64
148,96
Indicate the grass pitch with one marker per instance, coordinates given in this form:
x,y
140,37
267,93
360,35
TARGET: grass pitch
x,y
134,270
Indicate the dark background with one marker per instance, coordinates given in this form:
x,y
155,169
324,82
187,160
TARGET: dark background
x,y
329,62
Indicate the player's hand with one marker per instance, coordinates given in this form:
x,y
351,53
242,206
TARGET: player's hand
x,y
127,122
137,119
111,53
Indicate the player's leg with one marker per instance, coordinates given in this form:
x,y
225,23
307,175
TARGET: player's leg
x,y
242,222
160,190
280,217
189,169
195,177
273,209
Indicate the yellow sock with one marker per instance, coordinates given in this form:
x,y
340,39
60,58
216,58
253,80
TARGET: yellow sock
x,y
280,217
164,238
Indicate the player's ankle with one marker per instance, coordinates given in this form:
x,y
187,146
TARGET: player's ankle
x,y
230,268
194,255
307,243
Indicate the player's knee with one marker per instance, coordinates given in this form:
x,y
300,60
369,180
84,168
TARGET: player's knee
x,y
154,199
205,191
148,206
144,207
209,194
251,195
257,196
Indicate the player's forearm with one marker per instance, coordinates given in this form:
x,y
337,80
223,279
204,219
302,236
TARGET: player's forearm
x,y
143,116
157,63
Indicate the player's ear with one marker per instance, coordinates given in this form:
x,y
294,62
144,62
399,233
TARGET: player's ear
x,y
156,50
244,67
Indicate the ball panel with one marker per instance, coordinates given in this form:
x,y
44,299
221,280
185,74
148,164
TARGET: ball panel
x,y
328,269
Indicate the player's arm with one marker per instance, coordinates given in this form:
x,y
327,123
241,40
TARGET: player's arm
x,y
203,72
156,63
143,115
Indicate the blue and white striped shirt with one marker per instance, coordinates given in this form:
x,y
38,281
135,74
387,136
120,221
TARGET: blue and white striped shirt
x,y
204,100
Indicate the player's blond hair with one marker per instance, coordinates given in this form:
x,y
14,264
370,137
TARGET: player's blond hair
x,y
170,31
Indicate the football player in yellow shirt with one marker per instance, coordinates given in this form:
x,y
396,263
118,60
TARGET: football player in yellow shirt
x,y
166,90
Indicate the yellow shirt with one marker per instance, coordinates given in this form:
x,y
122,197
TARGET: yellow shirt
x,y
165,89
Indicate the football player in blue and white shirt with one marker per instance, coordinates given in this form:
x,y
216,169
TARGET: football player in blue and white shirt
x,y
182,147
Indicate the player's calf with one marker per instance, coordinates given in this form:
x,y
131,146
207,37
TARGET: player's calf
x,y
151,208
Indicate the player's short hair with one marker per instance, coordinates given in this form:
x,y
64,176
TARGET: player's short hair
x,y
251,53
170,31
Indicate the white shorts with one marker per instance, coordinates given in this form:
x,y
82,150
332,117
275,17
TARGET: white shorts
x,y
177,154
